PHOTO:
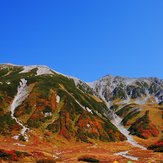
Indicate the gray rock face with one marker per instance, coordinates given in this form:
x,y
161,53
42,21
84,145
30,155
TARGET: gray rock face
x,y
111,88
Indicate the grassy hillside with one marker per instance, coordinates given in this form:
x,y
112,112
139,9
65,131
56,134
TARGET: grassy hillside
x,y
77,116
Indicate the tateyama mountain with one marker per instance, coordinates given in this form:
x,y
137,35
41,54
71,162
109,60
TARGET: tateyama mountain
x,y
48,116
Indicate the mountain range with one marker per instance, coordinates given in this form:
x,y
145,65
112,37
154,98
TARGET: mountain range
x,y
36,101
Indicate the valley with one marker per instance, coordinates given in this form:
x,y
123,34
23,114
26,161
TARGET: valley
x,y
72,152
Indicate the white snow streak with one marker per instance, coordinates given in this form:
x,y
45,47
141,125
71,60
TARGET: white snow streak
x,y
20,145
116,120
85,108
125,154
19,98
89,110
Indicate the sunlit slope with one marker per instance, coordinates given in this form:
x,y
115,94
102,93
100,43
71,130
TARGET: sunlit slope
x,y
138,102
56,107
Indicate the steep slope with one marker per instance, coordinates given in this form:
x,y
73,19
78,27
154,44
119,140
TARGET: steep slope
x,y
35,100
143,127
124,89
131,100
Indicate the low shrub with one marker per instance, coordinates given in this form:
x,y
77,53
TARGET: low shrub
x,y
88,159
46,161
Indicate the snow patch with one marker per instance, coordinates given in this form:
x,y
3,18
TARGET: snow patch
x,y
55,157
48,114
125,154
85,108
20,145
88,125
79,103
58,99
16,137
89,110
44,71
27,69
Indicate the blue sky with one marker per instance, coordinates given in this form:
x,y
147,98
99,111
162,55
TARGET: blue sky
x,y
84,38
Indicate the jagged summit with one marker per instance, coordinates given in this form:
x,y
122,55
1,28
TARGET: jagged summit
x,y
128,80
115,87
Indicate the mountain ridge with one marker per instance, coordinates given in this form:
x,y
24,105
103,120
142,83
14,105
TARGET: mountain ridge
x,y
114,76
112,90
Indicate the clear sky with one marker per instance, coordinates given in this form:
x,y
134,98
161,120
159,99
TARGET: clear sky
x,y
84,38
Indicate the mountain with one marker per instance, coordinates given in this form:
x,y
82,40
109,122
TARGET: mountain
x,y
41,111
37,99
138,102
112,88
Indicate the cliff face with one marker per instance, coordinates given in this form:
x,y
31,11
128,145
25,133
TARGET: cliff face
x,y
141,90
